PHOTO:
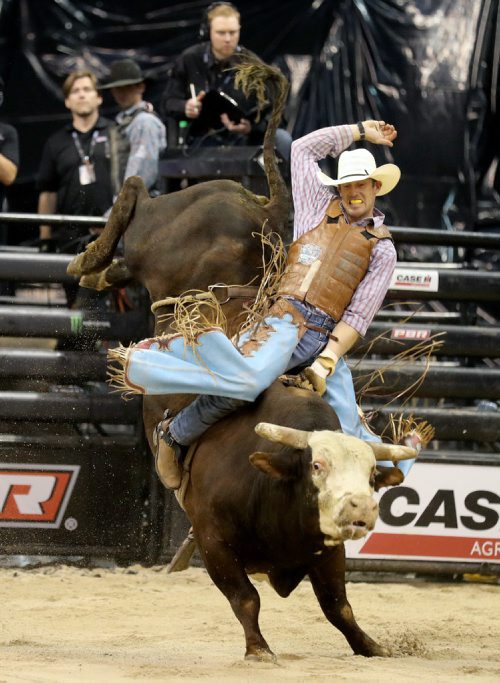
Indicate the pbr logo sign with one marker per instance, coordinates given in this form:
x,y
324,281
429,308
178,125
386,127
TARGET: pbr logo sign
x,y
440,512
35,496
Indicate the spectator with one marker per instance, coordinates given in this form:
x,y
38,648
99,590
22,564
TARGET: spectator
x,y
75,174
9,163
9,153
75,171
207,67
142,135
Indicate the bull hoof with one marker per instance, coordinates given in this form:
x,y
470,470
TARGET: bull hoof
x,y
261,655
376,650
95,281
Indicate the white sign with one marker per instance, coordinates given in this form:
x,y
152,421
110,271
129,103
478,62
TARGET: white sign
x,y
440,512
35,495
415,279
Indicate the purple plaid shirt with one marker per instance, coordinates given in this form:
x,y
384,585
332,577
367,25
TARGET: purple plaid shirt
x,y
311,199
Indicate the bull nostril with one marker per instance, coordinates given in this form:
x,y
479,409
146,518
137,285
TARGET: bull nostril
x,y
359,523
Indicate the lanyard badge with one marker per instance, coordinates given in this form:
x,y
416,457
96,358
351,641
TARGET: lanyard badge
x,y
86,170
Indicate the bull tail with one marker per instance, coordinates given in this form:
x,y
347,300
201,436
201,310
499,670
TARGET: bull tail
x,y
99,254
255,77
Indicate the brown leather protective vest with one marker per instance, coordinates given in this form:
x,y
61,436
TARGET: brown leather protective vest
x,y
326,264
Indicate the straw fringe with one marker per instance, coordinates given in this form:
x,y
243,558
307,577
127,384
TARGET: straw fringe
x,y
419,352
273,266
117,361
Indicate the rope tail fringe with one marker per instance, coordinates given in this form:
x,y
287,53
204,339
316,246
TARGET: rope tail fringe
x,y
421,352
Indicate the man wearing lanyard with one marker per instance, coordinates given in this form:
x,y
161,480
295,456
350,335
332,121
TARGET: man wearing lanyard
x,y
74,176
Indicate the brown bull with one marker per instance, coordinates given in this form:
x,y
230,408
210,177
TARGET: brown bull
x,y
282,502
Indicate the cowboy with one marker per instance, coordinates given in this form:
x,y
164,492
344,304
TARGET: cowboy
x,y
142,136
338,271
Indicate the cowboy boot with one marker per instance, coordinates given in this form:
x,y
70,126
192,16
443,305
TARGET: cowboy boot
x,y
167,455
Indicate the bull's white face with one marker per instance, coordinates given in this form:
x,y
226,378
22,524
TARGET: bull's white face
x,y
343,471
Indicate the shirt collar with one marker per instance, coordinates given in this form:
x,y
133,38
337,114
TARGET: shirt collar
x,y
127,112
99,125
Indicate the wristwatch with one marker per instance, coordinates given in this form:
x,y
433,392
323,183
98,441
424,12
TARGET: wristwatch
x,y
362,133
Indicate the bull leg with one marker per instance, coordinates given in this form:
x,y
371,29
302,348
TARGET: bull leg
x,y
328,582
229,576
99,254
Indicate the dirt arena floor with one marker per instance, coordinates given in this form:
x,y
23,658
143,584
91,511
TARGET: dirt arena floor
x,y
137,624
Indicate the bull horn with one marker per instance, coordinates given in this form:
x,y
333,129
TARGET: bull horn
x,y
395,453
297,438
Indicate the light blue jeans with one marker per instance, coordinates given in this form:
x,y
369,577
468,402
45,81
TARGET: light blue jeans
x,y
191,422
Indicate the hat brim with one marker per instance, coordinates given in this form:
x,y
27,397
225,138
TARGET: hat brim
x,y
121,84
387,174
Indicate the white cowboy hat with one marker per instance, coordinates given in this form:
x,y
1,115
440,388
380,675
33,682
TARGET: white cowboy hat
x,y
360,164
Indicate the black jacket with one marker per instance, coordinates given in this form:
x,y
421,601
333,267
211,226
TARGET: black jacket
x,y
198,66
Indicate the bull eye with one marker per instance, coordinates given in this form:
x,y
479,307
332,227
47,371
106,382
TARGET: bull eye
x,y
317,466
372,478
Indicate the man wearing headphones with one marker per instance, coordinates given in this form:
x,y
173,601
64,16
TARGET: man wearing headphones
x,y
206,68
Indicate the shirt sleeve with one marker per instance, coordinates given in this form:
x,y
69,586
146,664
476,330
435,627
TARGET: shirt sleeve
x,y
10,145
372,289
310,196
146,135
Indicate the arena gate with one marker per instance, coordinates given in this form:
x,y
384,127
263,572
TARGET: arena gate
x,y
76,477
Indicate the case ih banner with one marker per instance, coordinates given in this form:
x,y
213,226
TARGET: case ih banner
x,y
35,496
441,512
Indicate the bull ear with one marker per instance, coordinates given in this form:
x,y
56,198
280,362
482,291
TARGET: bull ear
x,y
387,476
272,464
297,438
395,453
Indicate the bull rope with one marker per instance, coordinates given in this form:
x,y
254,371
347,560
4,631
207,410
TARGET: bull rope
x,y
197,311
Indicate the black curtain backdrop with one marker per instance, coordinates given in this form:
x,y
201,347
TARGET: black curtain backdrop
x,y
431,67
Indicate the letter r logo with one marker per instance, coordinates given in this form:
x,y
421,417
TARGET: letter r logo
x,y
26,491
35,496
